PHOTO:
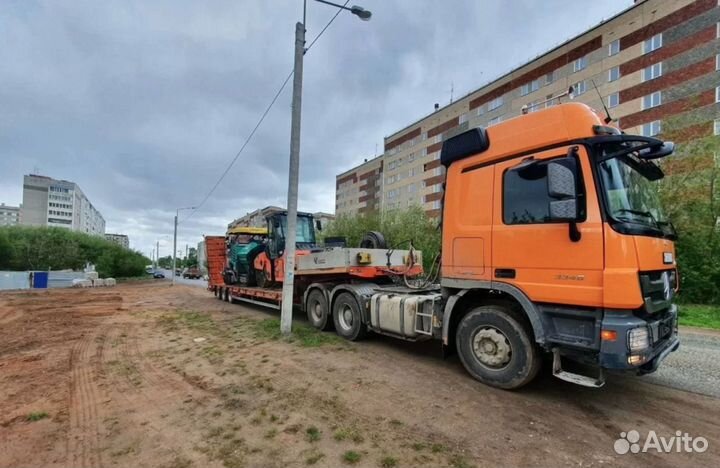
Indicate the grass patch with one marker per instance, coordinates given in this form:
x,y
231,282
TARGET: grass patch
x,y
349,433
351,457
271,434
694,315
303,335
438,448
459,462
313,434
37,416
314,458
388,462
191,319
418,446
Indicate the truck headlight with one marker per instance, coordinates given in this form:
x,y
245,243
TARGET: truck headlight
x,y
638,339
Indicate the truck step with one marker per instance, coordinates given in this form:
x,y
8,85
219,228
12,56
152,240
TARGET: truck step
x,y
578,379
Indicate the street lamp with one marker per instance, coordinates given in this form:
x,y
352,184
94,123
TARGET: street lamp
x,y
177,212
288,289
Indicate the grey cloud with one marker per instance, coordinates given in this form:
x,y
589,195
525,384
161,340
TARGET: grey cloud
x,y
144,103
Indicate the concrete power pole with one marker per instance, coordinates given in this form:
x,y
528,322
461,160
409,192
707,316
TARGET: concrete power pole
x,y
172,273
290,237
157,254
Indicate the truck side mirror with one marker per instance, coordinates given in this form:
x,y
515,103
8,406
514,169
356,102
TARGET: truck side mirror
x,y
562,189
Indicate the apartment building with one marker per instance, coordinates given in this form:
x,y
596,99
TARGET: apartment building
x,y
9,215
657,60
59,203
360,190
120,239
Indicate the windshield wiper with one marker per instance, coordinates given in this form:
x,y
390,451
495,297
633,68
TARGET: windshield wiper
x,y
647,214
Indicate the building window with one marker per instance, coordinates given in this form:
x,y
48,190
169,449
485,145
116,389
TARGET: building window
x,y
525,195
494,121
495,103
716,130
579,64
549,77
579,88
463,118
654,43
717,94
481,110
528,88
651,128
614,47
613,100
717,62
652,72
614,73
652,100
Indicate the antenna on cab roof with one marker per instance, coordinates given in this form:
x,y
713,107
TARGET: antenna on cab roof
x,y
608,119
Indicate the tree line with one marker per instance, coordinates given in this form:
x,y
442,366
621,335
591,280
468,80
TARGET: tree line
x,y
49,248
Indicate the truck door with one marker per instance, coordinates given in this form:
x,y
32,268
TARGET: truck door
x,y
538,255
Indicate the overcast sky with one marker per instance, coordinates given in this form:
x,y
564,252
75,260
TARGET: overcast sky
x,y
144,103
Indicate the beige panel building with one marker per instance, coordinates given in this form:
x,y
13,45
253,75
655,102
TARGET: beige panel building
x,y
59,203
654,60
9,215
120,239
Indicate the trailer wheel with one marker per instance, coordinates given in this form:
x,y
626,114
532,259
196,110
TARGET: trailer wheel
x,y
497,348
318,311
219,293
261,279
347,317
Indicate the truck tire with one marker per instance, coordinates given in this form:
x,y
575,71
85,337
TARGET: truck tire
x,y
318,311
261,279
373,240
496,347
347,317
219,294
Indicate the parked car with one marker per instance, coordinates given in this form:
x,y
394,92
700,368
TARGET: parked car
x,y
192,273
158,274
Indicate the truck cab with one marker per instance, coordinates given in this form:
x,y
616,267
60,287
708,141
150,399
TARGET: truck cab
x,y
553,234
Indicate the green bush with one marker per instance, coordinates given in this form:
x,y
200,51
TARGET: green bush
x,y
398,226
43,248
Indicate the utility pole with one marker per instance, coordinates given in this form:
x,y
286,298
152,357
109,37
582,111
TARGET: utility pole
x,y
177,213
172,273
157,254
288,289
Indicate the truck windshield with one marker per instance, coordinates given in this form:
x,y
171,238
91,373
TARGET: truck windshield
x,y
631,196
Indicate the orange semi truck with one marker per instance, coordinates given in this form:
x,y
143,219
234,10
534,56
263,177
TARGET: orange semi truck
x,y
553,243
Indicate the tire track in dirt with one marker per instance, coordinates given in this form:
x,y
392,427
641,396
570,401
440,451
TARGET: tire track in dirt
x,y
83,448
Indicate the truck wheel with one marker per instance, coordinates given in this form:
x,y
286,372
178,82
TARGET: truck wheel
x,y
219,294
347,318
497,348
317,310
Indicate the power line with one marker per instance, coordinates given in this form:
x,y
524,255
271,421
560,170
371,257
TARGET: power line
x,y
260,121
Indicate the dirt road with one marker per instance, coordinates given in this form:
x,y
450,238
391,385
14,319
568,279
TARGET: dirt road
x,y
149,375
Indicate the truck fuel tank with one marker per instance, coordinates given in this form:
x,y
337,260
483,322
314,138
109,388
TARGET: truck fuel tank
x,y
411,316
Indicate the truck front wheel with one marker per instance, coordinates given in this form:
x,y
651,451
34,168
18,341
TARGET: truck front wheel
x,y
347,317
317,310
497,348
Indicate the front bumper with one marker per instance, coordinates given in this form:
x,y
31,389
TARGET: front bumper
x,y
662,337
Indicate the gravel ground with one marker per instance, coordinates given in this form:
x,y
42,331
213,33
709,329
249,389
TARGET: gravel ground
x,y
695,366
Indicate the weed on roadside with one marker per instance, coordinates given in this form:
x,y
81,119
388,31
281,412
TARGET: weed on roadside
x,y
349,433
303,335
314,458
351,457
313,434
388,462
37,416
457,461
